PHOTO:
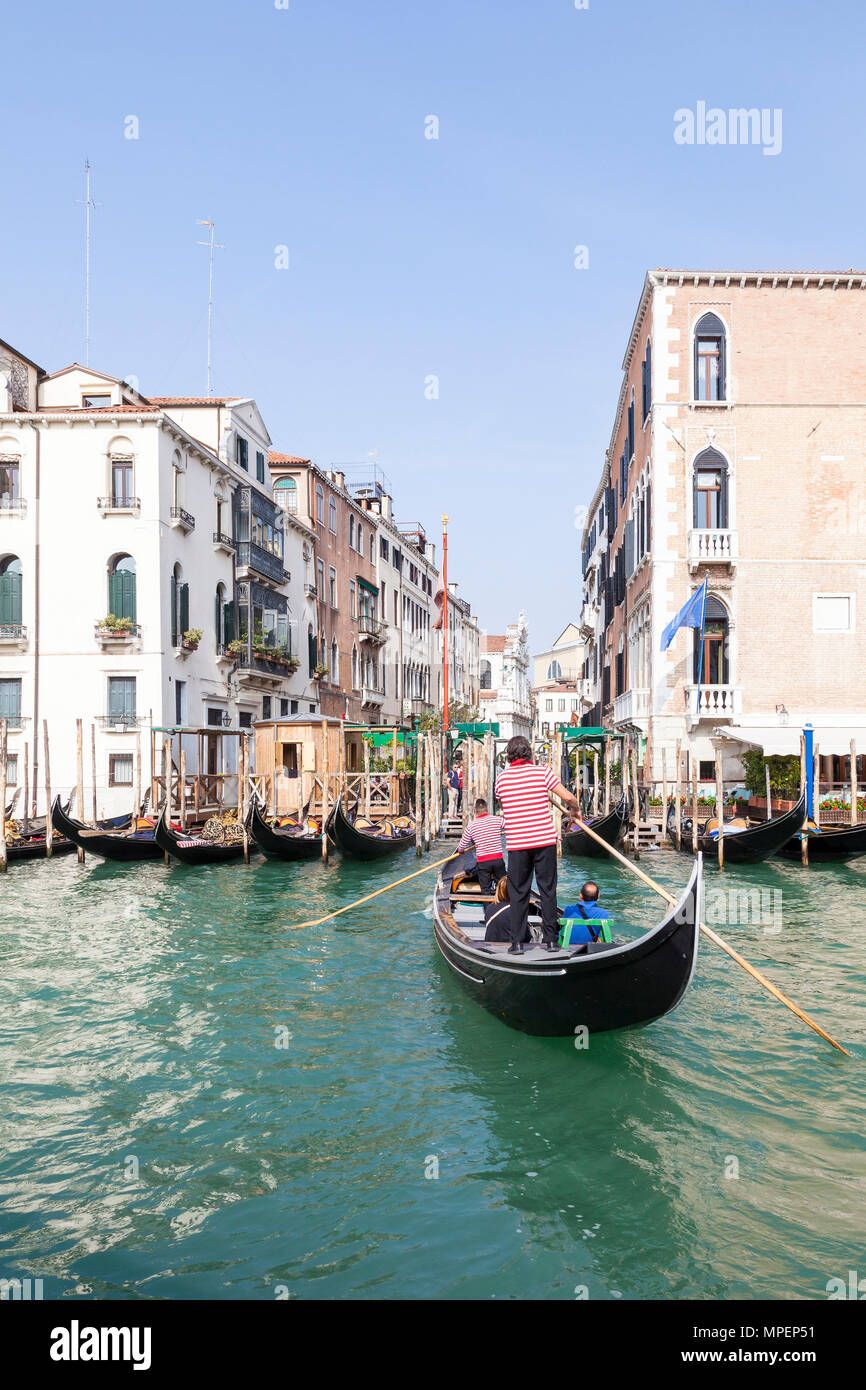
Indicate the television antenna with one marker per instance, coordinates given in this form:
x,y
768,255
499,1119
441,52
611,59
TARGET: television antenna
x,y
212,246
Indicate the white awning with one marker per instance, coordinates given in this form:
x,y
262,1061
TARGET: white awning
x,y
785,738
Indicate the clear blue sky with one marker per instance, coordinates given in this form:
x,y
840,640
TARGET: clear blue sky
x,y
409,257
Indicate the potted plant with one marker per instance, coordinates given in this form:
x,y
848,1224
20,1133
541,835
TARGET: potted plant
x,y
236,647
320,671
110,623
191,638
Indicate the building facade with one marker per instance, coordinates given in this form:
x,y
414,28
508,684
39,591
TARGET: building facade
x,y
558,686
505,690
736,454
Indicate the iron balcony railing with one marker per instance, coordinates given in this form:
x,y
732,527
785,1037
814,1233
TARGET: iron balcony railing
x,y
118,502
17,506
183,518
254,557
371,627
14,721
114,721
220,538
12,632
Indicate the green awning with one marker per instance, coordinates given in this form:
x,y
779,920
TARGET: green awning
x,y
475,730
365,584
580,734
385,737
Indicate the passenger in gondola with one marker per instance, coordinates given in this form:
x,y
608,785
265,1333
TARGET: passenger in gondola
x,y
498,917
524,791
485,833
585,920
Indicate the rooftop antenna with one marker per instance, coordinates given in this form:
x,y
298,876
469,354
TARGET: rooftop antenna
x,y
212,246
88,205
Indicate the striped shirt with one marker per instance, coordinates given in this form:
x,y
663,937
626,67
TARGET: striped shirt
x,y
485,833
524,791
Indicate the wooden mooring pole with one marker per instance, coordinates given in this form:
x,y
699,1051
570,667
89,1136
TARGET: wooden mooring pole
x,y
79,767
49,828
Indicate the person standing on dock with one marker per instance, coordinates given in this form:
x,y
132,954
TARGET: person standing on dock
x,y
485,833
524,790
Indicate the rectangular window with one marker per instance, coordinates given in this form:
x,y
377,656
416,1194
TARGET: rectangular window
x,y
214,717
706,770
180,703
121,699
95,402
9,481
120,769
12,770
332,587
548,706
352,598
242,453
332,510
260,467
360,540
832,612
383,547
121,482
266,706
320,577
284,709
560,705
245,719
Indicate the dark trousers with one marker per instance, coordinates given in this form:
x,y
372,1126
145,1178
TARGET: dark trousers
x,y
521,865
490,871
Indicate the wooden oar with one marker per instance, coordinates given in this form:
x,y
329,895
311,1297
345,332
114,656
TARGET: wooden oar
x,y
317,921
717,940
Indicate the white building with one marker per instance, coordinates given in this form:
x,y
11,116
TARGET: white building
x,y
159,513
558,688
505,696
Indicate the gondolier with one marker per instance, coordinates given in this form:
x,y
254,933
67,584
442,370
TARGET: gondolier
x,y
524,790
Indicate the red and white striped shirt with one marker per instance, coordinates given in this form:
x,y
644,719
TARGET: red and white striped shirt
x,y
485,833
524,793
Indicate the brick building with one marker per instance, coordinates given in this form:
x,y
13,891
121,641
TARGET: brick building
x,y
737,452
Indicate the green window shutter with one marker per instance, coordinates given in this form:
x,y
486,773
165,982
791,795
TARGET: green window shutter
x,y
229,621
129,595
312,652
184,608
10,599
121,594
260,467
10,699
174,635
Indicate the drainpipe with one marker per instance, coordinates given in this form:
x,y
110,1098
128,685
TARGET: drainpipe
x,y
36,625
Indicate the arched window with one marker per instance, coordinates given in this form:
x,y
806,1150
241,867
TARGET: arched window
x,y
486,676
354,667
121,587
711,654
335,663
710,359
332,516
179,606
320,504
711,491
312,649
351,532
224,617
554,671
10,591
286,494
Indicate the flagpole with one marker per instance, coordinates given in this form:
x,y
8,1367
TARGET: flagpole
x,y
445,720
701,649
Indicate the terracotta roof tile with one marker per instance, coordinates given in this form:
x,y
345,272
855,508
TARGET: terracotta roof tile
x,y
275,457
195,400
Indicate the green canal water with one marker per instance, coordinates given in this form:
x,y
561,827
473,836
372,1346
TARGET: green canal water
x,y
157,1142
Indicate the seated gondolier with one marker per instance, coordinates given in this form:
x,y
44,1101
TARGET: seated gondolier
x,y
485,833
524,790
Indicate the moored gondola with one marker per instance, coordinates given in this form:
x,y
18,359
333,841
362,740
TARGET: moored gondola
x,y
365,842
282,842
598,986
195,849
35,847
832,844
118,845
609,828
745,842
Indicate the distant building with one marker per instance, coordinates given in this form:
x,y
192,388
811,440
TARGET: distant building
x,y
558,685
505,680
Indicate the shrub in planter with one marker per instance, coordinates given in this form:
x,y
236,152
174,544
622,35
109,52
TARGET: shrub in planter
x,y
191,638
112,624
236,647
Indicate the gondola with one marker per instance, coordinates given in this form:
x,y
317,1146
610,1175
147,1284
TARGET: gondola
x,y
361,843
745,842
598,986
609,827
34,847
195,849
282,844
833,845
106,842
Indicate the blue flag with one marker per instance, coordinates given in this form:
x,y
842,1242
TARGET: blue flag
x,y
690,615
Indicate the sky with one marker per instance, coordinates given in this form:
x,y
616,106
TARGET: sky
x,y
431,319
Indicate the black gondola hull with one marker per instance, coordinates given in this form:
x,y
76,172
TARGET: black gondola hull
x,y
609,827
277,844
194,851
357,845
600,990
831,846
120,848
746,846
35,849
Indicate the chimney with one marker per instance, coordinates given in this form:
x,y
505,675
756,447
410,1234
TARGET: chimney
x,y
387,506
340,479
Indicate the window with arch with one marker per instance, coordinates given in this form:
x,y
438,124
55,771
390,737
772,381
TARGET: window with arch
x,y
554,671
711,665
179,616
320,504
10,480
709,363
224,617
286,494
710,490
354,667
312,649
335,663
121,587
332,517
351,532
486,676
10,592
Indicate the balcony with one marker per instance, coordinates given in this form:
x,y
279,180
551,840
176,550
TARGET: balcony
x,y
111,638
14,722
374,698
311,591
13,635
118,723
182,520
13,506
252,558
263,670
718,702
372,629
223,542
118,504
712,548
631,706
